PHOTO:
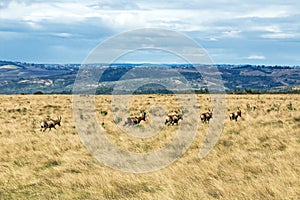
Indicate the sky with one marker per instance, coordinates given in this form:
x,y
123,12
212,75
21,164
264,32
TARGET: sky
x,y
263,32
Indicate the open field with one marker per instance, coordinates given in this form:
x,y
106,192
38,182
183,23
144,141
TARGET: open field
x,y
257,157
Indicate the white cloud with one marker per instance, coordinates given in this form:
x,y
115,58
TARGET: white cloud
x,y
231,34
256,57
272,28
279,35
63,35
33,25
177,15
275,12
61,12
219,23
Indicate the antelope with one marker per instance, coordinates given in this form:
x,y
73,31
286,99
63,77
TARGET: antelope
x,y
50,123
205,117
235,115
135,120
173,119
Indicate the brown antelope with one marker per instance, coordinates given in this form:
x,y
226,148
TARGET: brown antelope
x,y
135,119
50,123
173,119
205,117
235,115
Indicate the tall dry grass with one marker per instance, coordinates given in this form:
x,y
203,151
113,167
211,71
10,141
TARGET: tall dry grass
x,y
256,158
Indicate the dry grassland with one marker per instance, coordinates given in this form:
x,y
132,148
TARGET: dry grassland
x,y
256,158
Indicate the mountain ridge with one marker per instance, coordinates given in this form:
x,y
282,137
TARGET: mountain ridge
x,y
28,78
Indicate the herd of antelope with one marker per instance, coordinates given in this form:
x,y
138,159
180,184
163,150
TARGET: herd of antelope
x,y
171,119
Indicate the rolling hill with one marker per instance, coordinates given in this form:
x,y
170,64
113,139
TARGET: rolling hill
x,y
28,78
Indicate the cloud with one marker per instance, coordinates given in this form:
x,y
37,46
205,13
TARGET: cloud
x,y
63,35
279,35
256,57
114,5
241,28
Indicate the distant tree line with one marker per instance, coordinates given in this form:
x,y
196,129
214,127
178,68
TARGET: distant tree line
x,y
110,90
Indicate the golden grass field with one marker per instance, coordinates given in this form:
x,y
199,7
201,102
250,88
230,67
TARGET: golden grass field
x,y
256,158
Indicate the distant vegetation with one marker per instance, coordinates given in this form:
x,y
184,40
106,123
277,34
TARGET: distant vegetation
x,y
28,78
38,92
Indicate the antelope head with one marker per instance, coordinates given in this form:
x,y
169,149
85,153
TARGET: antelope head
x,y
58,121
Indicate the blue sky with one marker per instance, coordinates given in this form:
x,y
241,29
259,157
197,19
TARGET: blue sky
x,y
233,32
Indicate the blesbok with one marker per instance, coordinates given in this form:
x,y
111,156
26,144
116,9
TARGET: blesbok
x,y
173,119
205,117
235,115
50,123
135,119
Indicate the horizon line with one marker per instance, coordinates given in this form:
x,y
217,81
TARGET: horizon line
x,y
152,63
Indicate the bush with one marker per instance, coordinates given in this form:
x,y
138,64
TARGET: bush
x,y
251,91
103,112
38,92
290,106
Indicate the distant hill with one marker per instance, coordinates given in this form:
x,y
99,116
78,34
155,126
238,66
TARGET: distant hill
x,y
29,78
